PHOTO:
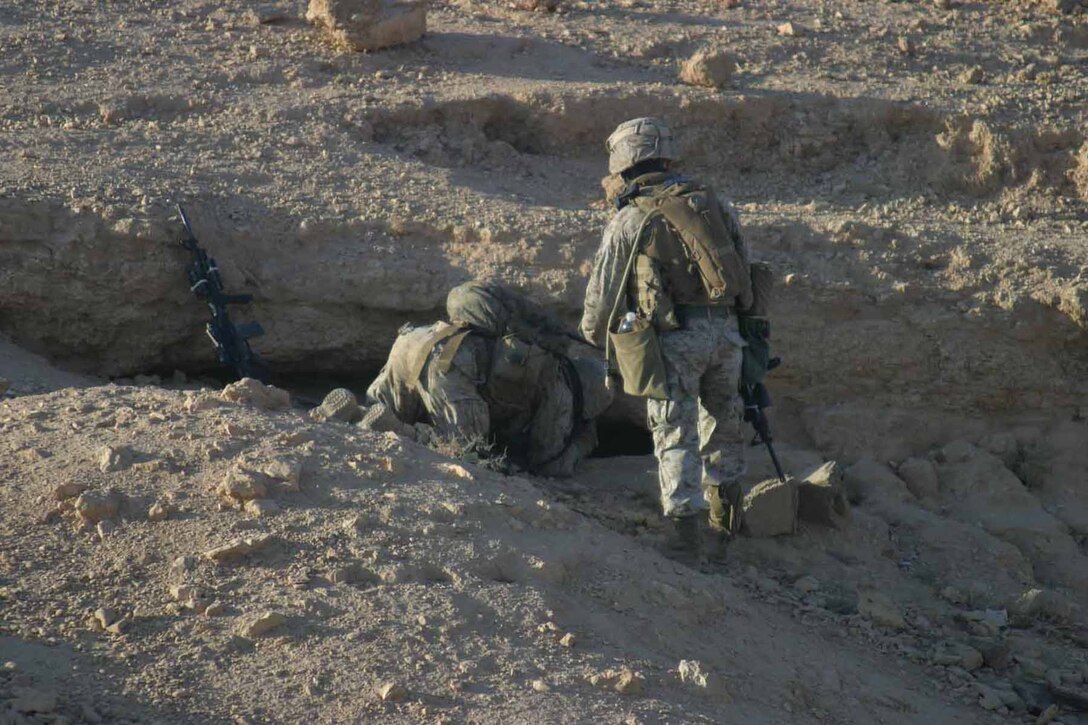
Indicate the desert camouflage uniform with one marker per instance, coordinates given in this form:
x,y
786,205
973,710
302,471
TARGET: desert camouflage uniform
x,y
457,404
697,433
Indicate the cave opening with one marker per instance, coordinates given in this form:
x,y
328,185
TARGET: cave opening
x,y
617,435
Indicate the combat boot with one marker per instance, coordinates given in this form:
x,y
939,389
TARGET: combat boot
x,y
726,509
685,539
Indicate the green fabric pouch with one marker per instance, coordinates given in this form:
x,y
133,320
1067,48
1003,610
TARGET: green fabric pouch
x,y
638,357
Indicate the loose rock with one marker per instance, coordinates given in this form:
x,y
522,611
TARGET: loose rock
x,y
238,548
920,475
113,458
253,392
262,507
158,512
262,624
821,496
1044,603
243,485
68,489
691,672
369,24
710,68
95,506
959,655
878,608
392,692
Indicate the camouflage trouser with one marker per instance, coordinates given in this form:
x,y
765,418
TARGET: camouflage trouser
x,y
697,433
457,409
540,436
452,398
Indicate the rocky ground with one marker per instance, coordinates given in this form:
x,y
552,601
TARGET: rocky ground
x,y
916,172
194,556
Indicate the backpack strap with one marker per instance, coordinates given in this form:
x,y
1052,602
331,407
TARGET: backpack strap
x,y
695,234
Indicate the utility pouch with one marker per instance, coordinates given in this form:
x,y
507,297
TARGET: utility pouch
x,y
638,357
516,367
654,301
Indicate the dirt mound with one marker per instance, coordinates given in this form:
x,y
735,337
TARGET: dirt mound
x,y
377,581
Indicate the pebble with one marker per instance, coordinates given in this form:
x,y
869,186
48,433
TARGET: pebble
x,y
958,655
68,489
113,458
877,607
392,692
243,485
238,548
567,640
807,584
262,507
1048,715
262,624
691,672
95,506
215,609
158,512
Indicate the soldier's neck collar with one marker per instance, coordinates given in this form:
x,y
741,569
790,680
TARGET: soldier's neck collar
x,y
644,186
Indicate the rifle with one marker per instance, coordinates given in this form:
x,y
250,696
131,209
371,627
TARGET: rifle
x,y
231,341
756,400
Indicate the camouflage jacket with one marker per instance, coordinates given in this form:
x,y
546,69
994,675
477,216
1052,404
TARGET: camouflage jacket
x,y
606,279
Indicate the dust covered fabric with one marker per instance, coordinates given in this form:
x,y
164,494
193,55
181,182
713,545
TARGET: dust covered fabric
x,y
697,431
698,440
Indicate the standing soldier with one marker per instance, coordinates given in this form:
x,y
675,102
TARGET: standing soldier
x,y
667,280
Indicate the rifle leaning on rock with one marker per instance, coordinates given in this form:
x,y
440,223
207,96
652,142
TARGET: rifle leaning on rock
x,y
231,341
756,400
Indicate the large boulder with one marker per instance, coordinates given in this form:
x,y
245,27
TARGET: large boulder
x,y
369,24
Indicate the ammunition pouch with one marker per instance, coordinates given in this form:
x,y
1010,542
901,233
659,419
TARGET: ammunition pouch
x,y
516,370
640,362
653,299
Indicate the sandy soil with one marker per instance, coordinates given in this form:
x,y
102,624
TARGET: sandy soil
x,y
916,172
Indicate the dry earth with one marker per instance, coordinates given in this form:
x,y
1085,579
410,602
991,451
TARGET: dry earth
x,y
917,173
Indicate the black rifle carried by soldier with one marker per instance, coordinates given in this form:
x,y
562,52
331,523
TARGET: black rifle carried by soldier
x,y
755,328
756,401
231,341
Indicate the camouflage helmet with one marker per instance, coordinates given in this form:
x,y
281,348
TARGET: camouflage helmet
x,y
638,140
